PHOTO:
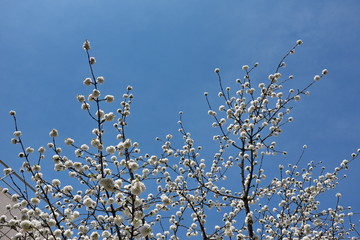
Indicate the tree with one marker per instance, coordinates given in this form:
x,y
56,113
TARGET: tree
x,y
114,192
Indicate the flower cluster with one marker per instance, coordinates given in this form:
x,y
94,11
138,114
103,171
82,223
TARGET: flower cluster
x,y
108,190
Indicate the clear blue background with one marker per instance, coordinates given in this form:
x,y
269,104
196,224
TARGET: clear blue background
x,y
167,50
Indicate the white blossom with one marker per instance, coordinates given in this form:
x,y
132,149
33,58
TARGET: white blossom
x,y
53,133
87,81
108,184
100,80
69,141
145,230
137,187
7,171
109,98
86,45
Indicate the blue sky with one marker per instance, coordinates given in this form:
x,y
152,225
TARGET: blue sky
x,y
167,50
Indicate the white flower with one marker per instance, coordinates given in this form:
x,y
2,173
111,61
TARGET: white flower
x,y
100,80
53,133
118,183
96,93
109,98
108,184
88,202
145,230
109,116
80,98
299,42
3,218
94,236
17,133
68,233
245,67
41,150
26,225
324,72
127,143
118,220
12,113
57,232
316,77
217,70
86,45
212,113
14,197
67,189
110,149
105,234
92,60
29,150
69,141
85,106
165,199
95,142
133,166
84,147
35,200
7,171
56,182
137,187
87,81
